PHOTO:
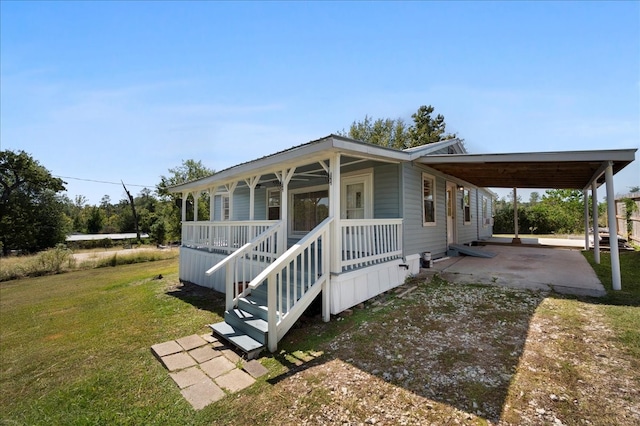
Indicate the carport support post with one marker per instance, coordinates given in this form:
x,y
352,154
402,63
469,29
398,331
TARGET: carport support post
x,y
516,239
585,196
596,231
613,229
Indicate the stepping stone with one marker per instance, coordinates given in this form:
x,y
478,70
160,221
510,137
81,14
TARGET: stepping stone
x,y
231,355
188,377
191,342
202,394
178,361
166,348
217,366
209,338
254,368
235,380
204,353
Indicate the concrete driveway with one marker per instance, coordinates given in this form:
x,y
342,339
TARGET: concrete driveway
x,y
550,269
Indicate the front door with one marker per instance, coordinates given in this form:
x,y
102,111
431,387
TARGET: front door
x,y
451,213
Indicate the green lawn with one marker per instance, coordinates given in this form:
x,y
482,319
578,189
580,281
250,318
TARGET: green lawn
x,y
75,347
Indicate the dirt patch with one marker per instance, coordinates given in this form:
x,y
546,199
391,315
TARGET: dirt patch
x,y
452,354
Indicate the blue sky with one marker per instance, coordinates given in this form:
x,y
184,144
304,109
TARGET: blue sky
x,y
112,91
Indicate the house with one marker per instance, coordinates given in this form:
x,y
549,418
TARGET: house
x,y
275,231
344,220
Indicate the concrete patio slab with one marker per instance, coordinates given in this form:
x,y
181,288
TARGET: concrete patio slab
x,y
235,380
254,368
191,342
166,348
209,338
548,269
204,353
178,361
188,377
202,394
217,366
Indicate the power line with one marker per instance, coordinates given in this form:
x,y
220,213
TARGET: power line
x,y
101,181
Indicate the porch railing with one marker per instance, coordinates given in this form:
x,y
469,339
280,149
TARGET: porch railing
x,y
225,237
244,264
295,279
369,241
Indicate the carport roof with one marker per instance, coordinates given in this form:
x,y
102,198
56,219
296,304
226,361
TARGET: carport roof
x,y
554,170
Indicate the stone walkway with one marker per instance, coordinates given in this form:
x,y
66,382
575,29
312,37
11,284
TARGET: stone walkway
x,y
205,369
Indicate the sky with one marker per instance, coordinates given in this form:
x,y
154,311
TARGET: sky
x,y
123,91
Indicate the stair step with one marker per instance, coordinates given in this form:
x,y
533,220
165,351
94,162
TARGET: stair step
x,y
238,338
254,306
250,324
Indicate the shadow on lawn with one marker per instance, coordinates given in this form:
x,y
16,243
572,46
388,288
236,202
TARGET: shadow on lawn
x,y
201,297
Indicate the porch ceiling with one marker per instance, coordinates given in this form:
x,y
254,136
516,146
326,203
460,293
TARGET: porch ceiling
x,y
553,170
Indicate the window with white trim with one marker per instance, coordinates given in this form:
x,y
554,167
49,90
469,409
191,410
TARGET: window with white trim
x,y
466,205
428,200
273,203
224,214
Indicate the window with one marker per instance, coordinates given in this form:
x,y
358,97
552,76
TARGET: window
x,y
225,207
466,205
309,209
273,204
428,200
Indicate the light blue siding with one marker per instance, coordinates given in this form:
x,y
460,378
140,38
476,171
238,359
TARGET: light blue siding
x,y
386,191
418,238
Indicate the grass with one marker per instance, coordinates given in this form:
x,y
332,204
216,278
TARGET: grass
x,y
75,349
60,259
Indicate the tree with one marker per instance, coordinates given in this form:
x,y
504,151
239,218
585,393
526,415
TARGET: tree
x,y
394,133
95,221
170,203
31,214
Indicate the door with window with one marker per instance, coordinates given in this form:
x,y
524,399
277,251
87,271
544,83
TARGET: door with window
x,y
451,213
356,197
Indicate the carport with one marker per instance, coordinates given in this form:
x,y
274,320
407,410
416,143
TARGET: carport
x,y
583,170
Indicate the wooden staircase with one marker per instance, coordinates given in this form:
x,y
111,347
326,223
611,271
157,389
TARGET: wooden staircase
x,y
258,316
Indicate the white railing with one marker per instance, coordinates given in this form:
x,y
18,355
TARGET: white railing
x,y
366,242
244,264
225,237
295,279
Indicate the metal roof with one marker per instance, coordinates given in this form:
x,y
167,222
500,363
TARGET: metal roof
x,y
554,170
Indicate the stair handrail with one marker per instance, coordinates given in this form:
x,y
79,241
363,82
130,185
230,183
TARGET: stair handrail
x,y
228,261
290,253
270,271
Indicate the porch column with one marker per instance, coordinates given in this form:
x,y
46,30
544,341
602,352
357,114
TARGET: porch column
x,y
212,194
585,196
231,189
596,231
516,238
285,177
185,195
334,208
196,198
252,182
616,281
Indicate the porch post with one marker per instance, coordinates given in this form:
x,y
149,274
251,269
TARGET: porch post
x,y
616,281
212,194
184,206
596,231
585,196
516,239
196,198
285,178
334,208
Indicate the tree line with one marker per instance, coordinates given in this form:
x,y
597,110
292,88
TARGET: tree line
x,y
35,215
